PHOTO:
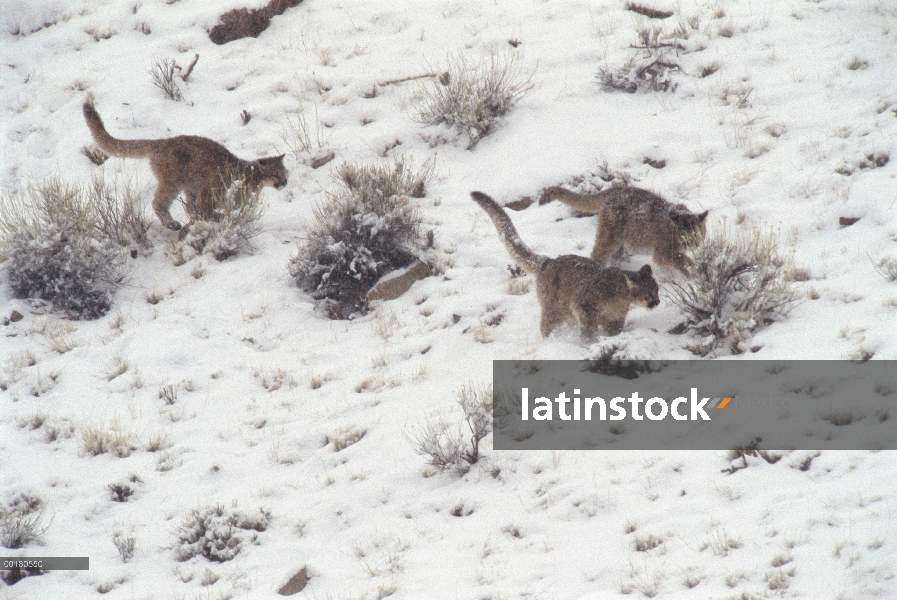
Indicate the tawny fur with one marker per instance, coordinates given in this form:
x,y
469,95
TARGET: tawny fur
x,y
575,288
638,221
199,167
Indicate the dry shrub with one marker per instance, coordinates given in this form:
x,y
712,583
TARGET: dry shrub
x,y
61,248
397,177
103,438
163,72
446,448
471,98
739,284
21,521
121,210
649,68
223,227
215,532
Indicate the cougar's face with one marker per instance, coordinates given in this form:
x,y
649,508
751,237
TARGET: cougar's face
x,y
645,291
693,227
273,171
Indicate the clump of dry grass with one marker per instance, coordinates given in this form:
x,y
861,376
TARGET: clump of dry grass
x,y
473,97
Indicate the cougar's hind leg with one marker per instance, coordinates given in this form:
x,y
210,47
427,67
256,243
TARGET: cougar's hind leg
x,y
606,244
550,320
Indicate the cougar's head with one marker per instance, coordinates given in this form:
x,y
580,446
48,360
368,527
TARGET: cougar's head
x,y
693,227
270,171
643,287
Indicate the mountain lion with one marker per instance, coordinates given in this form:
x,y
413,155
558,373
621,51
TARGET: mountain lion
x,y
639,221
201,168
575,288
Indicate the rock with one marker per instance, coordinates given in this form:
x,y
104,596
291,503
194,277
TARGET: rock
x,y
296,583
320,161
243,22
847,221
15,316
392,285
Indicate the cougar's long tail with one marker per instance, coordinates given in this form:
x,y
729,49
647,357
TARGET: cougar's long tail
x,y
111,145
528,260
590,203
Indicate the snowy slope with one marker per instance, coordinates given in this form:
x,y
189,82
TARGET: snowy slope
x,y
264,384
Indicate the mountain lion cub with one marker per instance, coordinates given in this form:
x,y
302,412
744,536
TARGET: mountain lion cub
x,y
575,288
639,221
201,168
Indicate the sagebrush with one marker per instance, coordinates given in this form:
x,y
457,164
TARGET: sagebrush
x,y
65,245
472,97
222,228
22,521
739,283
369,227
649,68
215,532
398,177
446,447
163,72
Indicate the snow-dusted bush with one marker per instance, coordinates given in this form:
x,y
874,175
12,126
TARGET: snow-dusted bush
x,y
360,233
444,446
53,236
215,532
21,521
739,284
125,544
648,69
472,98
223,228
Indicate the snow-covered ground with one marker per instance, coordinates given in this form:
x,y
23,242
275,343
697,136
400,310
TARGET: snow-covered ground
x,y
262,390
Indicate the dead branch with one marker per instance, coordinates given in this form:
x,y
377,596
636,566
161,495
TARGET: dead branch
x,y
189,70
410,78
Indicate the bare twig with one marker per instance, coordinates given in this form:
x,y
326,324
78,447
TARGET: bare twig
x,y
163,77
410,78
189,70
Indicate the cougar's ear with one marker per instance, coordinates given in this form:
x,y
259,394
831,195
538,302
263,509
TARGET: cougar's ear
x,y
702,216
679,219
645,271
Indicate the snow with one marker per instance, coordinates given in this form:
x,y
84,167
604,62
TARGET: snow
x,y
265,384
